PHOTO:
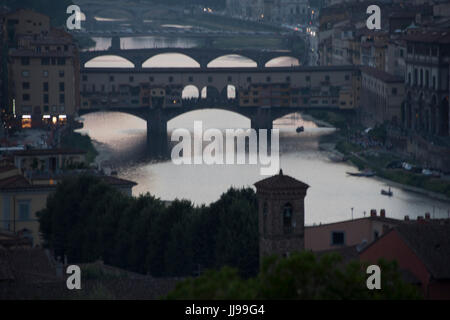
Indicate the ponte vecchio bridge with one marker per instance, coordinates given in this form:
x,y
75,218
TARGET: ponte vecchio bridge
x,y
262,94
203,56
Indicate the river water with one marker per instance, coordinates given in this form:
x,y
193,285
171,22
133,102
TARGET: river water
x,y
121,140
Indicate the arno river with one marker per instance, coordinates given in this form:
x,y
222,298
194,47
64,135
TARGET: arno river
x,y
121,140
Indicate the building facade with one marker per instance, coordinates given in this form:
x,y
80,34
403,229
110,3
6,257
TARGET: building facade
x,y
427,83
43,73
279,11
382,97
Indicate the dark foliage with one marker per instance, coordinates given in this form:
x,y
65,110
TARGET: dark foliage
x,y
87,220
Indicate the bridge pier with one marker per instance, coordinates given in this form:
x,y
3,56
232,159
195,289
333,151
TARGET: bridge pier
x,y
157,140
262,119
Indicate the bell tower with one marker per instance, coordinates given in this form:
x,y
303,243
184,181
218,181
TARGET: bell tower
x,y
281,215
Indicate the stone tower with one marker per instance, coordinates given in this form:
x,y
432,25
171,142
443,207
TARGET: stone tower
x,y
281,215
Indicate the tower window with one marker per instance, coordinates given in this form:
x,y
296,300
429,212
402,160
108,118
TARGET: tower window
x,y
337,238
287,218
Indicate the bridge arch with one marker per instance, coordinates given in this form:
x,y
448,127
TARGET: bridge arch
x,y
109,61
128,111
177,60
229,92
225,61
210,93
219,122
190,92
282,61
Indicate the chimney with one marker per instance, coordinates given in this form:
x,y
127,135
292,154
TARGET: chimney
x,y
406,218
427,216
373,213
383,213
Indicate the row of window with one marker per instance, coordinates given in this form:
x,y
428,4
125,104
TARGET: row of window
x,y
420,80
46,108
26,86
62,97
26,73
210,79
25,61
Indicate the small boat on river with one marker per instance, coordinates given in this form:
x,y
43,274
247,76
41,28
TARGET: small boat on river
x,y
388,192
365,173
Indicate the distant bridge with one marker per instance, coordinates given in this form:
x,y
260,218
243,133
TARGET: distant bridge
x,y
157,95
203,56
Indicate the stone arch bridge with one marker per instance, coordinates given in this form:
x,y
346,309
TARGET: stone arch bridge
x,y
262,94
203,56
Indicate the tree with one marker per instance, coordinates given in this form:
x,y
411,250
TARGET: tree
x,y
300,276
86,220
80,217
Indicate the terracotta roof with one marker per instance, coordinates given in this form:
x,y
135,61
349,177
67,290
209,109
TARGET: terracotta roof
x,y
281,181
117,181
7,168
376,218
431,243
379,74
430,37
20,182
39,152
16,181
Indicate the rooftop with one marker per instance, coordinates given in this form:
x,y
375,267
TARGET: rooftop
x,y
441,37
381,75
431,243
18,182
281,181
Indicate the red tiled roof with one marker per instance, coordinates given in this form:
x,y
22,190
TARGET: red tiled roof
x,y
379,74
20,182
7,168
429,36
281,181
431,243
117,181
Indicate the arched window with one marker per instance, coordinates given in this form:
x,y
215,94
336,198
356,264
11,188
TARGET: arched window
x,y
287,218
265,213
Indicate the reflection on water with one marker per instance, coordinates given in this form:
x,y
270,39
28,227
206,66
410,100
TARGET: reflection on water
x,y
122,140
146,42
232,60
283,62
171,60
176,26
97,18
178,60
109,62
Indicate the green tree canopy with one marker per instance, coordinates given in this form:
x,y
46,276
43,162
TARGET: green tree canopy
x,y
86,220
300,276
